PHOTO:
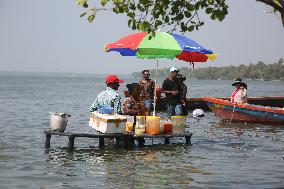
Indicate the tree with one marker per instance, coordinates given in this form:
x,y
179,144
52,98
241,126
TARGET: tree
x,y
151,15
277,5
257,71
182,15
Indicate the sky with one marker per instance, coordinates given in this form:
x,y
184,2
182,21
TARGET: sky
x,y
50,36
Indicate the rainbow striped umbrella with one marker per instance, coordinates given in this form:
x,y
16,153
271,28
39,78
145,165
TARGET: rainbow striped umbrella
x,y
162,45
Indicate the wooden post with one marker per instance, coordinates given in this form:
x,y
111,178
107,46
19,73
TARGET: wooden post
x,y
101,142
167,141
47,140
187,139
141,141
131,141
116,140
126,141
71,143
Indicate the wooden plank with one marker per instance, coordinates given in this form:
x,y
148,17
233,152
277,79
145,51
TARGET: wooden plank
x,y
98,135
88,135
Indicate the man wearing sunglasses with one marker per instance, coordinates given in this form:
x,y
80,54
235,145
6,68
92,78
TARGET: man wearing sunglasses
x,y
147,89
109,97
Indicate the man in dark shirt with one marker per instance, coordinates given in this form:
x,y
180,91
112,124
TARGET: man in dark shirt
x,y
171,88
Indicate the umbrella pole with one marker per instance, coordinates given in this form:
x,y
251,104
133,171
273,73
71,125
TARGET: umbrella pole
x,y
155,92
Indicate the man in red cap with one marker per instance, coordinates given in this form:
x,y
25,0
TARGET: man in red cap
x,y
109,97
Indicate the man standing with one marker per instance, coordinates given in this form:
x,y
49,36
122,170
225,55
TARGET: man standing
x,y
171,88
109,97
147,89
180,78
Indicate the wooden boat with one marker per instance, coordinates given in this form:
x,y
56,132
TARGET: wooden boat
x,y
246,113
199,103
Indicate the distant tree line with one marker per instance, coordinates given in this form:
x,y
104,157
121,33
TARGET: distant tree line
x,y
258,71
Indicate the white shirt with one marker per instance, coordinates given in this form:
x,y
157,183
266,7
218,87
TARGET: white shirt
x,y
239,96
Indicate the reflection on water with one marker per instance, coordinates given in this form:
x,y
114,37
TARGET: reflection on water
x,y
256,129
138,168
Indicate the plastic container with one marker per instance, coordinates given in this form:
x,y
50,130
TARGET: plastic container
x,y
178,124
129,124
129,127
58,121
140,130
152,125
168,128
140,125
140,121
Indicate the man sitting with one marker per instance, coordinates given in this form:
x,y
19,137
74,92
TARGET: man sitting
x,y
109,97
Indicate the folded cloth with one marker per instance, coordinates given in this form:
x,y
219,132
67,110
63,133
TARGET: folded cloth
x,y
105,109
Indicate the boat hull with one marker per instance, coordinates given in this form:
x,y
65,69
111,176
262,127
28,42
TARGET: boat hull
x,y
245,113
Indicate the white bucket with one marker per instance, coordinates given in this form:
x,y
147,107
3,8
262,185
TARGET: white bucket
x,y
58,121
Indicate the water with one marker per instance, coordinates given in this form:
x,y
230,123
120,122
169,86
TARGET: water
x,y
221,155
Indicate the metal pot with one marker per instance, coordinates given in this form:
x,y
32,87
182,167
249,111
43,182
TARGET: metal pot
x,y
58,121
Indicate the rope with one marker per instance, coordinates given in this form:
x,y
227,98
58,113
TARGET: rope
x,y
233,113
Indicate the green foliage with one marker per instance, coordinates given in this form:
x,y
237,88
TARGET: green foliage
x,y
151,15
258,71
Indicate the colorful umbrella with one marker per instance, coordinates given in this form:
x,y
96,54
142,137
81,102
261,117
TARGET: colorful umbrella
x,y
162,45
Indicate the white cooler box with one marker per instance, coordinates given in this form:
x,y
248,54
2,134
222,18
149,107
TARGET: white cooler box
x,y
108,123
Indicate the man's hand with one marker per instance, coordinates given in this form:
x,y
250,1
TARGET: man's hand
x,y
174,93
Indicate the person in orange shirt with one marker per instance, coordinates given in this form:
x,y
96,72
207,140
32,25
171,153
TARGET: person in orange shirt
x,y
133,104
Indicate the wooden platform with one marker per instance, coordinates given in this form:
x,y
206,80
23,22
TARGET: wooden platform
x,y
128,139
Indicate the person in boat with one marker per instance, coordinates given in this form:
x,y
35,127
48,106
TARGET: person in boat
x,y
172,90
147,89
239,95
180,78
133,104
109,97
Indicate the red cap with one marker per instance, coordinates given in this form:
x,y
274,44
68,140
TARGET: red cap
x,y
113,79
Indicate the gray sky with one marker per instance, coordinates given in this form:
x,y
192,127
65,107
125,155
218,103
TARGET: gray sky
x,y
49,36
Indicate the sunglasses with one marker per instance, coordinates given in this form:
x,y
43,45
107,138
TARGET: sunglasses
x,y
147,74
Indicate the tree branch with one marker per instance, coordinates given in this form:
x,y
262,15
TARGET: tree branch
x,y
274,5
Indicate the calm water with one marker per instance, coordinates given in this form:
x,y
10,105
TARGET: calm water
x,y
221,156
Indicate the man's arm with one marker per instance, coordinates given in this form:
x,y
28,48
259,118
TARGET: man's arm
x,y
167,90
94,106
117,105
